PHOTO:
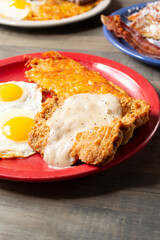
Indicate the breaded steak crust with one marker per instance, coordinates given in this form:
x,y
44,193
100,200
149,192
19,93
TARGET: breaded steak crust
x,y
64,77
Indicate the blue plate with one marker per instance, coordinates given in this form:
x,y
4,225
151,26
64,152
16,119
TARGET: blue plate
x,y
123,45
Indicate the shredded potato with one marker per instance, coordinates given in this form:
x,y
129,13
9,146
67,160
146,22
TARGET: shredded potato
x,y
65,77
59,9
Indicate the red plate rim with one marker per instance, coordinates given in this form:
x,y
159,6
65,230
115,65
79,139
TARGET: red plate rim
x,y
148,92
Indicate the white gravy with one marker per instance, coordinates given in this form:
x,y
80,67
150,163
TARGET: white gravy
x,y
79,113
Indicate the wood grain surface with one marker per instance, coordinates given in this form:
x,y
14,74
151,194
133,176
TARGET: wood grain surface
x,y
122,203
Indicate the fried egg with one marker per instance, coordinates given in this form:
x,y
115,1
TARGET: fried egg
x,y
15,9
19,103
19,94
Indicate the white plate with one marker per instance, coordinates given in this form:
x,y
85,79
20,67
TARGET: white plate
x,y
51,23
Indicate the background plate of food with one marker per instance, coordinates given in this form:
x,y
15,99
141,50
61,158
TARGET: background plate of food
x,y
19,77
138,36
48,13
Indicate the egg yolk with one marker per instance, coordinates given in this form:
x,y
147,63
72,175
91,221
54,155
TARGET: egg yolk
x,y
10,92
18,128
20,4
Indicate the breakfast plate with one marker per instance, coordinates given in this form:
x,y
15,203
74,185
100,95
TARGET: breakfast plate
x,y
33,168
53,23
122,44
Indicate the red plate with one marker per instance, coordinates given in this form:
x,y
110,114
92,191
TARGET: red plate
x,y
34,168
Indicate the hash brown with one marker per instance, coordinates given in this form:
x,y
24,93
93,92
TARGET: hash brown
x,y
59,9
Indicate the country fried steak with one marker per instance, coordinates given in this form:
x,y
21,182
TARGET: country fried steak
x,y
99,146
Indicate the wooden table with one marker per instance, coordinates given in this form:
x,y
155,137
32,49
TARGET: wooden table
x,y
121,203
